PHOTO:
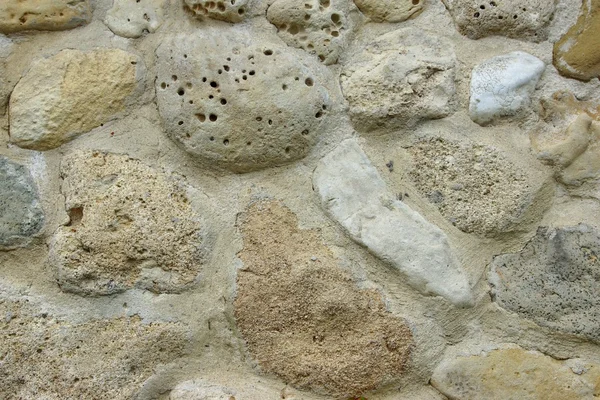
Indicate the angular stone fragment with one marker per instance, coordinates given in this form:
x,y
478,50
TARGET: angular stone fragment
x,y
69,94
401,78
520,19
224,10
389,10
320,27
21,214
236,104
355,196
43,15
512,373
131,19
302,316
577,53
130,226
501,86
554,280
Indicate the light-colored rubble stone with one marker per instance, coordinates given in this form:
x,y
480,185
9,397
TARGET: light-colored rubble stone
x,y
43,15
390,10
69,94
130,19
130,226
355,196
199,390
224,10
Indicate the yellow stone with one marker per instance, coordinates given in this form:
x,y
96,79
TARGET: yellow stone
x,y
45,15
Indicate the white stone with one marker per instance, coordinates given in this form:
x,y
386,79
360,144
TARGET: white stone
x,y
130,18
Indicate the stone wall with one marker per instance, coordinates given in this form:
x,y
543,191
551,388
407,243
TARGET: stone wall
x,y
281,199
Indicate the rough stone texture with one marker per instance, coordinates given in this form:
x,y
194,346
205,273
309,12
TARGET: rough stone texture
x,y
512,373
389,10
131,19
302,316
522,19
501,86
399,79
130,226
199,390
554,280
43,15
47,357
576,54
355,196
69,94
475,187
224,10
234,104
321,27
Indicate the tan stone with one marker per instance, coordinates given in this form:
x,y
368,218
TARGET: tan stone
x,y
302,316
224,10
43,15
389,10
69,94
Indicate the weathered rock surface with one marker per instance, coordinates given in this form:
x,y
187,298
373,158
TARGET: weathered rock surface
x,y
302,316
21,214
355,196
130,226
43,15
522,19
389,10
69,94
235,104
576,54
401,78
131,19
224,10
199,390
512,373
320,27
501,86
554,280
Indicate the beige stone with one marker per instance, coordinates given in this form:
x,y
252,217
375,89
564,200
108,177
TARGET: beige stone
x,y
224,10
43,15
390,10
69,94
131,19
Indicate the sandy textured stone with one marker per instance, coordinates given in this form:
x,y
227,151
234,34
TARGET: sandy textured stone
x,y
389,10
131,19
399,79
554,280
224,10
43,15
512,373
522,19
69,94
235,104
320,27
199,390
501,86
577,53
21,214
130,226
302,316
355,196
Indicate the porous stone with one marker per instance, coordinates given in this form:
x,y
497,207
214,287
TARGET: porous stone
x,y
321,27
401,78
302,316
21,214
43,15
130,226
389,10
200,390
68,94
131,19
502,86
235,104
512,373
521,19
355,196
554,280
224,10
577,54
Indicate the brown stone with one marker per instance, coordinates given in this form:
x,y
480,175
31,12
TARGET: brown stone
x,y
43,15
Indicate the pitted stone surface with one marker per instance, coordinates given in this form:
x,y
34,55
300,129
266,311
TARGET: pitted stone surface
x,y
355,196
302,316
224,10
131,19
235,104
130,226
401,78
390,10
21,214
521,19
43,15
554,280
321,27
69,94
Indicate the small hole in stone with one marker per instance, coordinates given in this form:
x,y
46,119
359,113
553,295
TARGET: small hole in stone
x,y
324,107
181,92
268,52
201,117
514,17
204,79
220,71
185,56
226,68
321,57
335,33
241,11
259,119
482,7
335,18
226,142
493,3
212,138
305,132
180,123
191,101
284,86
270,122
293,30
189,85
212,117
251,72
223,101
187,135
210,96
306,17
308,82
163,85
287,149
214,84
174,77
244,77
318,114
500,17
415,2
476,15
